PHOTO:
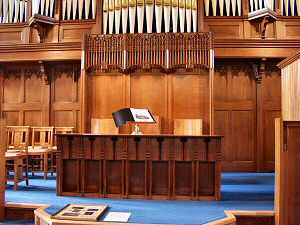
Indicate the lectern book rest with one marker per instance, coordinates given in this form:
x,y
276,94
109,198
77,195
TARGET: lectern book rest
x,y
132,115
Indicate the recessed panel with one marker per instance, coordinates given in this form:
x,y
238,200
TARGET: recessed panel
x,y
105,95
34,89
33,118
242,138
12,90
149,92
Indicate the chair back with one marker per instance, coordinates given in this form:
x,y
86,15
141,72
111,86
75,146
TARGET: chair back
x,y
188,126
17,138
42,137
103,126
62,130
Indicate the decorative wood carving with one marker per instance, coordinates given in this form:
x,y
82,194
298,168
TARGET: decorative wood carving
x,y
8,74
237,69
165,51
258,68
272,69
265,16
71,72
28,73
42,24
222,70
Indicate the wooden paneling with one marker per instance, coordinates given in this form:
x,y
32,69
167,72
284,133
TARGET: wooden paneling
x,y
291,90
193,102
11,33
235,115
72,31
268,108
287,170
106,94
25,99
66,96
245,109
2,166
225,27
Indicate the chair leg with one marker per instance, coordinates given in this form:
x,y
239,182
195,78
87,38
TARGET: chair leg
x,y
51,163
16,173
45,165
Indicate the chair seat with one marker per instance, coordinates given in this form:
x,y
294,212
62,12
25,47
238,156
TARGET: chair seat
x,y
12,154
36,151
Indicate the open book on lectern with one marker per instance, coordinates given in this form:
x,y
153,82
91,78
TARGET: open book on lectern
x,y
132,115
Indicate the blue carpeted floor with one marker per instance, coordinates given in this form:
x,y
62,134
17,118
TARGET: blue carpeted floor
x,y
240,191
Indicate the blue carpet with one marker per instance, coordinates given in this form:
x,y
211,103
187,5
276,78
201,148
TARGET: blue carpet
x,y
240,191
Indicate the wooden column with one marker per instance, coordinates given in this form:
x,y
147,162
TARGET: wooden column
x,y
287,132
2,166
290,87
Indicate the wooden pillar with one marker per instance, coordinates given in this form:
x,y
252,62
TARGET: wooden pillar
x,y
287,131
2,166
290,82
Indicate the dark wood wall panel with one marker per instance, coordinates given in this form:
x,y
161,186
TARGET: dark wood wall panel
x,y
12,117
189,98
235,114
242,137
25,94
106,94
150,92
246,104
66,96
11,33
268,108
269,137
34,118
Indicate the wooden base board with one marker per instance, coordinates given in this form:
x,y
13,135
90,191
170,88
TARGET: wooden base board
x,y
37,213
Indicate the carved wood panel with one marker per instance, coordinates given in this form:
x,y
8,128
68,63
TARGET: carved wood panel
x,y
245,107
25,98
66,96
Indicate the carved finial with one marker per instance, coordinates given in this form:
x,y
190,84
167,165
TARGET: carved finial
x,y
45,76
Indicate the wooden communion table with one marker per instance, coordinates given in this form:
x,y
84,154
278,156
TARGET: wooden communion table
x,y
139,166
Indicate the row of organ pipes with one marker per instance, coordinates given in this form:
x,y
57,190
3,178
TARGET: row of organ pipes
x,y
163,12
183,12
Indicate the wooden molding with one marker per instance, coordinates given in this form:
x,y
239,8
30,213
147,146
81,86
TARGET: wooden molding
x,y
289,60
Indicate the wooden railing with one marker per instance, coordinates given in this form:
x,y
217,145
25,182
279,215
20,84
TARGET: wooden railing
x,y
164,51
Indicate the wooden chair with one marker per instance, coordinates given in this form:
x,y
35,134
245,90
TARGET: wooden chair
x,y
61,130
150,128
188,126
103,126
40,152
16,155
